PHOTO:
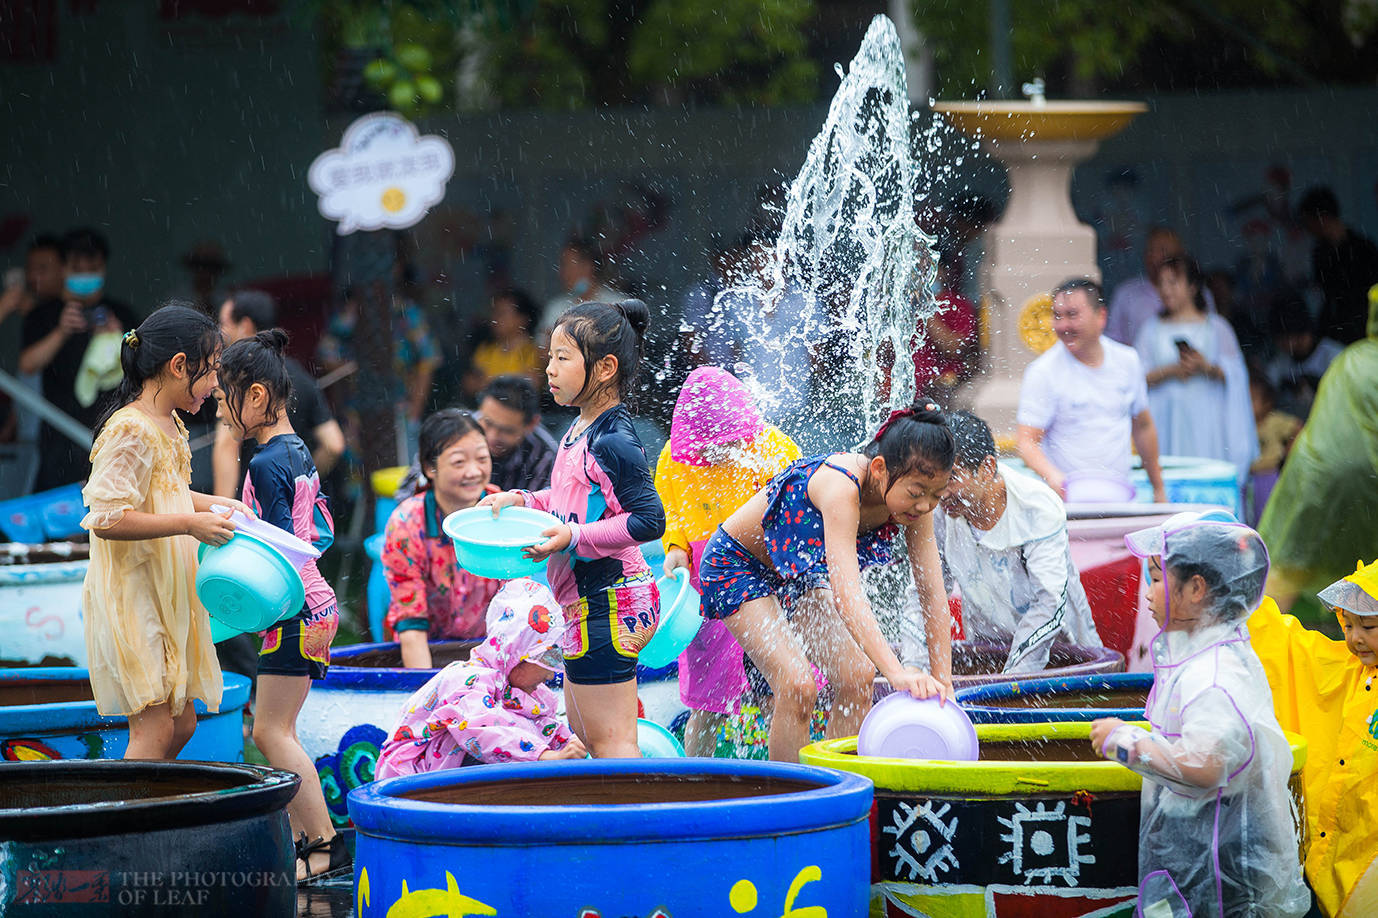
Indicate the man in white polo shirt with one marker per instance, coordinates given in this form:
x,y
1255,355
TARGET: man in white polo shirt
x,y
1085,397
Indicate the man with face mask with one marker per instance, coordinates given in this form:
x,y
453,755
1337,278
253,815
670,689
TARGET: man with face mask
x,y
579,283
55,339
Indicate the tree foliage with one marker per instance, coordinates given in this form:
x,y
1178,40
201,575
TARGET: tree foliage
x,y
575,53
1084,46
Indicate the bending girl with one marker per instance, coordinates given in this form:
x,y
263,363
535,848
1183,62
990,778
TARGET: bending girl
x,y
801,543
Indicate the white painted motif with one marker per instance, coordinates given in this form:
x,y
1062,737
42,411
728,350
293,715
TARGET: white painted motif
x,y
1035,836
928,849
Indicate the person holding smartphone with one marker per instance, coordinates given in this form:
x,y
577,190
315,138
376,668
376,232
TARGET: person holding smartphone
x,y
1198,385
56,334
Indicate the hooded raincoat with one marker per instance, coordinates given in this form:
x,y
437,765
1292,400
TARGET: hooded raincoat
x,y
715,416
1329,696
1320,515
1217,835
469,711
1019,585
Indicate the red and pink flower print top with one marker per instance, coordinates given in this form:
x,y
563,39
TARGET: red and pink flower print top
x,y
429,590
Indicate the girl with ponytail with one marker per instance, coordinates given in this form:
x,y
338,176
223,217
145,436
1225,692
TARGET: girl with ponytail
x,y
601,489
283,488
800,544
148,638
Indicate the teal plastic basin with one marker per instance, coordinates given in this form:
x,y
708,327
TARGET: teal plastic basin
x,y
492,547
247,585
655,742
679,620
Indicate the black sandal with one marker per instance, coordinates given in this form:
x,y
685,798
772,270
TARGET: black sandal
x,y
340,858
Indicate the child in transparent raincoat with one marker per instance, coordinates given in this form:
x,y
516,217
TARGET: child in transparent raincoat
x,y
1216,830
495,707
1327,690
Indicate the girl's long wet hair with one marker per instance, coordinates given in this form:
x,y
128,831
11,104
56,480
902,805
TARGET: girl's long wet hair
x,y
176,328
914,439
602,329
259,359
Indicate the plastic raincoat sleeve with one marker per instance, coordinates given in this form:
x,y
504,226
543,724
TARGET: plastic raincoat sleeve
x,y
1046,562
1215,744
669,486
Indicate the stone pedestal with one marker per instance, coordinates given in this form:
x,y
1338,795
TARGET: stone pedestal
x,y
1038,242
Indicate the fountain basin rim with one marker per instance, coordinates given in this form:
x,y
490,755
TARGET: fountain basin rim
x,y
971,698
1075,120
839,798
987,778
265,791
38,719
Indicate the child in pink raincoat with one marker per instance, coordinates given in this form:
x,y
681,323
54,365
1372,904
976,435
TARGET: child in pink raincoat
x,y
719,455
495,707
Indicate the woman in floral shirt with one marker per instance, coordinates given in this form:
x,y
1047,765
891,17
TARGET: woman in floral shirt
x,y
432,598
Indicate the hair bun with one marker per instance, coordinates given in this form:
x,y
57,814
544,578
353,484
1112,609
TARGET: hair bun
x,y
636,314
275,339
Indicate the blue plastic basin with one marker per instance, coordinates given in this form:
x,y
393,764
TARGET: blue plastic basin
x,y
492,547
679,620
247,584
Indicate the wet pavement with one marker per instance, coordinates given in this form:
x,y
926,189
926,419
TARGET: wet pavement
x,y
329,900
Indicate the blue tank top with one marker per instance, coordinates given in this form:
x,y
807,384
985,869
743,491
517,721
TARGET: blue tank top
x,y
793,526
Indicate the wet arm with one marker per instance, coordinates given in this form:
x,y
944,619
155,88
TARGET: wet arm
x,y
1030,443
1145,435
1045,564
841,519
927,567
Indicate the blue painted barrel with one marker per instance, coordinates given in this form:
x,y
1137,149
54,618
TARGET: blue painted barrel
x,y
975,663
146,838
614,838
1073,698
346,715
49,713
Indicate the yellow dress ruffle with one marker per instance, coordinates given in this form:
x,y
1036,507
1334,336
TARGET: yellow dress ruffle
x,y
148,637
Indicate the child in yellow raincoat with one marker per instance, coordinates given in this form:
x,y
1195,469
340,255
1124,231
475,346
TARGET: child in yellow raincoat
x,y
1325,690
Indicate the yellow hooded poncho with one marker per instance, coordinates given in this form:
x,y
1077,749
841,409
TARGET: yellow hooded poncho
x,y
1329,696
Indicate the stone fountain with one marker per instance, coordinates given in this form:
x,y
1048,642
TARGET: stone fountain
x,y
1038,242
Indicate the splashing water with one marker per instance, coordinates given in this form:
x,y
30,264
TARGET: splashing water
x,y
827,315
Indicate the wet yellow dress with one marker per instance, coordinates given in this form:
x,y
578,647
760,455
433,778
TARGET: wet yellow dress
x,y
148,637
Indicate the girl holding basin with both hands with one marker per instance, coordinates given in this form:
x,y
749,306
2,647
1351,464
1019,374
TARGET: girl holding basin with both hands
x,y
282,486
802,542
601,490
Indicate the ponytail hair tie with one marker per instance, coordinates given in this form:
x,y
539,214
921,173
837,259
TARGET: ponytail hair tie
x,y
894,416
902,413
131,338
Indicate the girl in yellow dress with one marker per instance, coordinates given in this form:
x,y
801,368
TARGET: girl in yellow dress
x,y
148,639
